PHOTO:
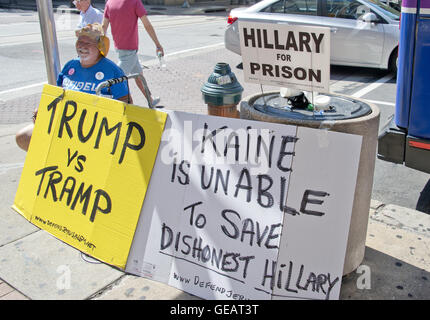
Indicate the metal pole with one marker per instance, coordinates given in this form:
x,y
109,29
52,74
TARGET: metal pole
x,y
49,39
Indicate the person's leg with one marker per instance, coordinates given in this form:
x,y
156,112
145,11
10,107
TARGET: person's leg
x,y
129,63
23,137
141,82
126,61
147,94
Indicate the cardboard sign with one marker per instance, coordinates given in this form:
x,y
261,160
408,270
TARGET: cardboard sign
x,y
247,210
286,55
87,170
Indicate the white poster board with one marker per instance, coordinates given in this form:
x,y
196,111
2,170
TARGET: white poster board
x,y
293,56
233,205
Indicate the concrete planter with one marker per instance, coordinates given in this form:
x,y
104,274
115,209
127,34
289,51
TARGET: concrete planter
x,y
365,126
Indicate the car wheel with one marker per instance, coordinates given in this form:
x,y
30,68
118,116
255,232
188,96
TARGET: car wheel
x,y
393,62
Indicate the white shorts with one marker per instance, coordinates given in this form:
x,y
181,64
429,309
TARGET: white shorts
x,y
129,61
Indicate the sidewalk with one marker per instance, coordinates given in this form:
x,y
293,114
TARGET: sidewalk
x,y
33,264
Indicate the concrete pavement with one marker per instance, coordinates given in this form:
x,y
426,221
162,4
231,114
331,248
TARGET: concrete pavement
x,y
32,263
35,265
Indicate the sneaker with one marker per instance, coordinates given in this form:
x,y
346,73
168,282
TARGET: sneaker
x,y
155,101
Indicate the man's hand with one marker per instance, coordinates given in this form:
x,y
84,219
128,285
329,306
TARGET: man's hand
x,y
160,49
34,116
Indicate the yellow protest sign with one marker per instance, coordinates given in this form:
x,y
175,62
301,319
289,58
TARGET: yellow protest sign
x,y
87,170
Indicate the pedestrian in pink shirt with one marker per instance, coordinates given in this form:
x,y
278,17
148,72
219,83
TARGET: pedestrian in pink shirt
x,y
123,17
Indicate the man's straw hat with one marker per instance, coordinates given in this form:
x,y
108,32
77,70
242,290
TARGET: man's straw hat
x,y
95,32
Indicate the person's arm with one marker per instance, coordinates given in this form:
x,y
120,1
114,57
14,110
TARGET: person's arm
x,y
126,99
105,24
151,32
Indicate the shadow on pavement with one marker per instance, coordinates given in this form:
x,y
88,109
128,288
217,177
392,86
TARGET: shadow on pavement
x,y
362,74
390,278
423,203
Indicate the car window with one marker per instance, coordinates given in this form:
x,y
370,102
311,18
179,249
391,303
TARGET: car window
x,y
391,12
346,9
303,7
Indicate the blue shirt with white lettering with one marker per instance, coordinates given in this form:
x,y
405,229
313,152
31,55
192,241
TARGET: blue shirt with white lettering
x,y
74,77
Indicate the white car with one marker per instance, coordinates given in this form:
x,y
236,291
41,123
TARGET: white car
x,y
364,33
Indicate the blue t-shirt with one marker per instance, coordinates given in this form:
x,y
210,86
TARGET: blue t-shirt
x,y
74,77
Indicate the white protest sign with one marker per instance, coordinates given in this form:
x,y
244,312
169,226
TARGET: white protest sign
x,y
314,237
283,55
217,214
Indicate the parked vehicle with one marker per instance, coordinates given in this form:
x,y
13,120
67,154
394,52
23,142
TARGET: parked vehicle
x,y
364,33
406,138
